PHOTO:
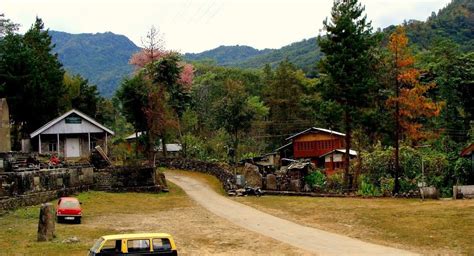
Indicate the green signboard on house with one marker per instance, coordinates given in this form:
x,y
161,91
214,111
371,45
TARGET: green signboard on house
x,y
73,120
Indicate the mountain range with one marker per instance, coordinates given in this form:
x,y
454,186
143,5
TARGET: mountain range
x,y
103,57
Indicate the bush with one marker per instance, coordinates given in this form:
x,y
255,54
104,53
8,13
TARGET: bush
x,y
386,186
335,182
317,180
368,189
440,169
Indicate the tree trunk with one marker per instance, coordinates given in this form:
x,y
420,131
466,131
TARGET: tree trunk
x,y
347,119
136,144
163,146
396,187
46,223
358,167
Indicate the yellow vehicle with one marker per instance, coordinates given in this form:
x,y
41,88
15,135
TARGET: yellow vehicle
x,y
134,244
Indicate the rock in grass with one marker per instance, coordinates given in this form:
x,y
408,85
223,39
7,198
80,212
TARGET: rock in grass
x,y
46,224
71,240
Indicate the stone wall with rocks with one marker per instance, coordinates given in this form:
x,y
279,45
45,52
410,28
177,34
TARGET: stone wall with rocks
x,y
466,191
25,188
123,178
222,172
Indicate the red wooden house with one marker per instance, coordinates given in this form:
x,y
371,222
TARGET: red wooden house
x,y
315,143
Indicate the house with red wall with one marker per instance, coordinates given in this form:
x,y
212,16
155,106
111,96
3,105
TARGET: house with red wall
x,y
318,143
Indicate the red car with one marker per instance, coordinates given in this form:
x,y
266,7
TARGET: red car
x,y
69,209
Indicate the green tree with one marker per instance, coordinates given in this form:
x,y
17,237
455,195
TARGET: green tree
x,y
236,110
31,78
132,95
453,72
6,26
283,93
346,66
80,95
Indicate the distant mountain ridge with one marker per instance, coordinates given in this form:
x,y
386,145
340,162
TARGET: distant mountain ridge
x,y
304,54
227,55
102,58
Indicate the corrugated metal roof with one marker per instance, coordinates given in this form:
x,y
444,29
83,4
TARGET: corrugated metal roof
x,y
342,151
172,147
284,146
134,136
58,119
316,129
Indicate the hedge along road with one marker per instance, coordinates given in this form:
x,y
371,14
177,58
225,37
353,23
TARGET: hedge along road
x,y
310,239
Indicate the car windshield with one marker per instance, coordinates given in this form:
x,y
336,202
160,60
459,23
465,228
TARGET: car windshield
x,y
97,244
69,204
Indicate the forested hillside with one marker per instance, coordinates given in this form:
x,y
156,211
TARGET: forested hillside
x,y
304,54
227,55
454,22
102,58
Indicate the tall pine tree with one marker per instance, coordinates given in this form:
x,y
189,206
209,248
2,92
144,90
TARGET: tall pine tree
x,y
345,68
31,78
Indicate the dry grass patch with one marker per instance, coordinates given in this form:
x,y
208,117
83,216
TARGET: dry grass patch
x,y
444,227
196,231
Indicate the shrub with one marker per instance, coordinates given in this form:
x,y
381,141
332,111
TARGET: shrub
x,y
368,189
335,182
317,180
386,186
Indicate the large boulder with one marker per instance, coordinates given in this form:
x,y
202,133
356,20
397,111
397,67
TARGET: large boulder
x,y
271,182
429,192
252,175
46,228
295,185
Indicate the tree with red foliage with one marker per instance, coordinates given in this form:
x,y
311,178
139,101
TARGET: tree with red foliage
x,y
409,101
170,81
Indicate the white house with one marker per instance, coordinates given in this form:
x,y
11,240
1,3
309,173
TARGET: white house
x,y
74,134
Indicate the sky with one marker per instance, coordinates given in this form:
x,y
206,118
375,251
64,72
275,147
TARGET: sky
x,y
198,25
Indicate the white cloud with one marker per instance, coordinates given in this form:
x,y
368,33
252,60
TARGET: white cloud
x,y
197,25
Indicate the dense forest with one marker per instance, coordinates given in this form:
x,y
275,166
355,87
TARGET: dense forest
x,y
402,96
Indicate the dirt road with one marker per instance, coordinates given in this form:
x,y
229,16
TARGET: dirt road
x,y
310,239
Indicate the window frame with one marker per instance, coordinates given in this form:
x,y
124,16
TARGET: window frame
x,y
139,251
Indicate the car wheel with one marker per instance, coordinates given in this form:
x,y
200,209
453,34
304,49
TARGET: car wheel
x,y
58,219
78,221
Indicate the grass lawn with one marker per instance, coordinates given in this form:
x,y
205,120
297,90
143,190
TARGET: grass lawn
x,y
445,227
195,230
430,227
18,232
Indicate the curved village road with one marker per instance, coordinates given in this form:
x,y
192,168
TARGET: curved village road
x,y
313,240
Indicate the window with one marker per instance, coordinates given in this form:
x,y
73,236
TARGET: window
x,y
142,245
53,147
161,244
111,246
69,204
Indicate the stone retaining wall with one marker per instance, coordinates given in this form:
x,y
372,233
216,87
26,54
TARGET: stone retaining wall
x,y
11,203
138,179
19,189
222,172
466,191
